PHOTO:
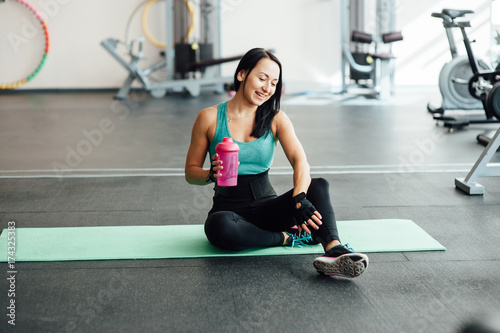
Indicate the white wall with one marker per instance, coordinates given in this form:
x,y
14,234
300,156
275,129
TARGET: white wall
x,y
425,48
305,34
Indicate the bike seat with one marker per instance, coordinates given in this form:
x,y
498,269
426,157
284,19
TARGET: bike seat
x,y
442,16
454,13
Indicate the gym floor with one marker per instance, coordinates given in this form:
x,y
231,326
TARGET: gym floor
x,y
383,159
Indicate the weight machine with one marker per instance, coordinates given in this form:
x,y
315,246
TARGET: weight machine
x,y
189,66
367,59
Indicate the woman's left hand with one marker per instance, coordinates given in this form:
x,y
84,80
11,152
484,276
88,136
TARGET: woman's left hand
x,y
305,214
314,222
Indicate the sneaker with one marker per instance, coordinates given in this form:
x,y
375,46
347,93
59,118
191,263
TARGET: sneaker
x,y
299,239
341,260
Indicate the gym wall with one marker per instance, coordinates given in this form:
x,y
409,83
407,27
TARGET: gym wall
x,y
305,34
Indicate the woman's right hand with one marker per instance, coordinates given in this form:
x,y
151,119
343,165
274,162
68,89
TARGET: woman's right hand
x,y
216,166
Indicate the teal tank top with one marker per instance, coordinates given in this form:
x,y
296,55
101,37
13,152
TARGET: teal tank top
x,y
255,156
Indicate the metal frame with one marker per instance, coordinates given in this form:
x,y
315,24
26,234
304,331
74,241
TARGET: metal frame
x,y
382,70
211,80
135,72
482,168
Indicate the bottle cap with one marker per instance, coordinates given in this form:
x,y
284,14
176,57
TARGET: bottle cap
x,y
227,144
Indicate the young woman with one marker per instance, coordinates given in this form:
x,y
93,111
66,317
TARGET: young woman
x,y
251,214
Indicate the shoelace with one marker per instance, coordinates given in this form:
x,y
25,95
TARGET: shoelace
x,y
300,239
347,246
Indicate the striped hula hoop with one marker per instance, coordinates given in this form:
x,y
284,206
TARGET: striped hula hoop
x,y
30,77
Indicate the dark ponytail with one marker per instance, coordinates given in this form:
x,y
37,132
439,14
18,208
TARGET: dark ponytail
x,y
267,111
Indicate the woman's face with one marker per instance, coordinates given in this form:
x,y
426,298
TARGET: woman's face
x,y
261,82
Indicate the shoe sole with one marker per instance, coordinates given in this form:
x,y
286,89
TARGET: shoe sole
x,y
343,266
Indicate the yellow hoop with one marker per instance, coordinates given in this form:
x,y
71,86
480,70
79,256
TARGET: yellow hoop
x,y
145,28
191,14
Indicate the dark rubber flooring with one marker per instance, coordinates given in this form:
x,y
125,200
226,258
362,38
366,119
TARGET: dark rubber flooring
x,y
83,159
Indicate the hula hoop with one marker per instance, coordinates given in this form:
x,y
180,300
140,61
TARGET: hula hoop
x,y
45,54
145,28
191,15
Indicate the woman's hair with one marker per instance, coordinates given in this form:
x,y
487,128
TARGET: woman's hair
x,y
266,111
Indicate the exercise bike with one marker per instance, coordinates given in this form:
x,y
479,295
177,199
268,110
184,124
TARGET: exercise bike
x,y
465,82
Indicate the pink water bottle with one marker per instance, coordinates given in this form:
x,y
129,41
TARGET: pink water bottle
x,y
228,153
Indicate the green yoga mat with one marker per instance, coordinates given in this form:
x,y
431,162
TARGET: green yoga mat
x,y
189,241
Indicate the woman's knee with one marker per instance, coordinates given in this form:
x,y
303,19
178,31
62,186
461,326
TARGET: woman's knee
x,y
217,223
219,229
319,184
319,194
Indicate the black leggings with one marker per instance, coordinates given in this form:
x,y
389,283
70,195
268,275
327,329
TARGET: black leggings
x,y
252,215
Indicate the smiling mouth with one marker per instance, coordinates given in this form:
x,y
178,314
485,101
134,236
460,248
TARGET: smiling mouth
x,y
261,95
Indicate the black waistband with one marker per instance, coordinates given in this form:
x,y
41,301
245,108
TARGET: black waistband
x,y
249,188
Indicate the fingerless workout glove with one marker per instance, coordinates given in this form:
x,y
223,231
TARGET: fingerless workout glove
x,y
305,211
211,173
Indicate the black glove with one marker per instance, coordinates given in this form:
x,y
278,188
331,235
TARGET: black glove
x,y
305,211
211,174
